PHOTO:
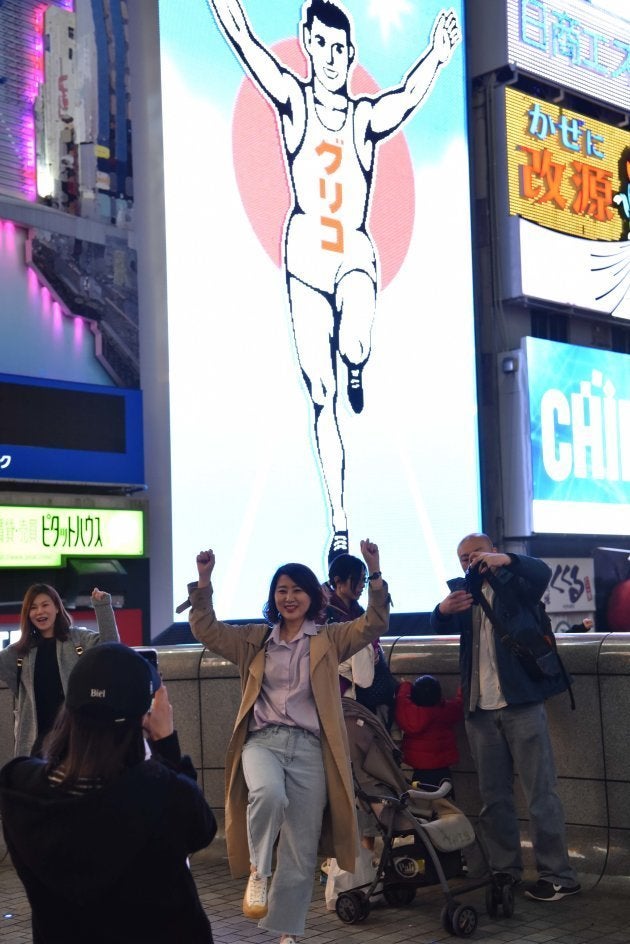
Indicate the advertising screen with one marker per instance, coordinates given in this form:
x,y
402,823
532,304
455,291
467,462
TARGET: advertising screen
x,y
579,415
569,182
574,44
321,342
32,536
55,431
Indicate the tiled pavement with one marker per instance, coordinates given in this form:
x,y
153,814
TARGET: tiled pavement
x,y
600,914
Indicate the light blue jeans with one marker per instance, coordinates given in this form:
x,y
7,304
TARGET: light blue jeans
x,y
516,740
284,772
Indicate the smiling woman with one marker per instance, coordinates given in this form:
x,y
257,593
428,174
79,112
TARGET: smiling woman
x,y
37,666
287,772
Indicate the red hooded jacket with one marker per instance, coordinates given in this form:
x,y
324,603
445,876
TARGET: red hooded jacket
x,y
428,733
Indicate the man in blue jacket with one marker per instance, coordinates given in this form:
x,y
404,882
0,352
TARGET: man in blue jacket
x,y
506,721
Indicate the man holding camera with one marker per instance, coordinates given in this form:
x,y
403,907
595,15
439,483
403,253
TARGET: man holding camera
x,y
506,721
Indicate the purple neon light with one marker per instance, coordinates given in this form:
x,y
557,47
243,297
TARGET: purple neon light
x,y
33,78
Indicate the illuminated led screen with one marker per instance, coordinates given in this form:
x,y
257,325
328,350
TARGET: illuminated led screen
x,y
566,171
32,536
573,44
321,343
579,412
582,273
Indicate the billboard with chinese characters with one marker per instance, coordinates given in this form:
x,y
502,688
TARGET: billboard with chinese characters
x,y
319,280
570,407
573,44
568,182
566,171
32,536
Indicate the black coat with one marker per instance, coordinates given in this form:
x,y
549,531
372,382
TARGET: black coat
x,y
524,581
109,865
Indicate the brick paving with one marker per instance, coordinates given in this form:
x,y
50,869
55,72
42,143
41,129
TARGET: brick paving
x,y
601,914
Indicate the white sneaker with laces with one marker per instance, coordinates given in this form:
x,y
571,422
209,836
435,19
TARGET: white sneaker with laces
x,y
255,897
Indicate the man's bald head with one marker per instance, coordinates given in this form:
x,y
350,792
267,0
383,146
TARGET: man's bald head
x,y
471,543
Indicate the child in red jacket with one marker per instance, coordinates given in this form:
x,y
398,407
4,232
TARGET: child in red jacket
x,y
428,724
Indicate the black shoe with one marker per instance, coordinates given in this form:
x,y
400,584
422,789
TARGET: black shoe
x,y
338,545
549,891
355,388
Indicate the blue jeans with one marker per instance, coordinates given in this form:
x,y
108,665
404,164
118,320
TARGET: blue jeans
x,y
284,772
513,740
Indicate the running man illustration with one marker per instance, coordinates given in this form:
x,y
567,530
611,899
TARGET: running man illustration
x,y
330,142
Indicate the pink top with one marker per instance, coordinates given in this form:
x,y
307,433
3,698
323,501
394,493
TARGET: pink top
x,y
286,696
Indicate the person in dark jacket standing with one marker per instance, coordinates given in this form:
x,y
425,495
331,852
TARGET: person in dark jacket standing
x,y
99,835
506,721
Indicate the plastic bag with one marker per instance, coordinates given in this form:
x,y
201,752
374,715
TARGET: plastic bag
x,y
341,881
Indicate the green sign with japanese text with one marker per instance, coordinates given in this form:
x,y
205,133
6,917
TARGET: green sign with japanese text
x,y
44,536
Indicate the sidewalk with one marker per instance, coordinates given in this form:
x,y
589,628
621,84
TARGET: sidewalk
x,y
601,914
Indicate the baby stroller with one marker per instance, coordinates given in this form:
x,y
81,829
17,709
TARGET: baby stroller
x,y
423,833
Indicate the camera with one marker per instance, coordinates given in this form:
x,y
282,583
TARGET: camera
x,y
473,581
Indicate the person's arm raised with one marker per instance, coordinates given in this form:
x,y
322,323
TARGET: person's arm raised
x,y
371,556
390,109
273,79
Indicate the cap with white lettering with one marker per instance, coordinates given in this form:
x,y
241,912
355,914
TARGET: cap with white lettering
x,y
111,682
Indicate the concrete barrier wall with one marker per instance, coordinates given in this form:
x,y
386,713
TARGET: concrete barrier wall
x,y
590,743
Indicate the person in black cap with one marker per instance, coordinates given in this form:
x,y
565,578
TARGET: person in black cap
x,y
98,833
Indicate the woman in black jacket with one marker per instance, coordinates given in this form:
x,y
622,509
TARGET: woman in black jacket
x,y
98,833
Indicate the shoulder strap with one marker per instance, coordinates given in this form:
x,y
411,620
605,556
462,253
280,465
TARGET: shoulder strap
x,y
497,626
20,661
514,647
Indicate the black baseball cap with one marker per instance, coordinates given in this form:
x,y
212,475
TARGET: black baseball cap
x,y
112,682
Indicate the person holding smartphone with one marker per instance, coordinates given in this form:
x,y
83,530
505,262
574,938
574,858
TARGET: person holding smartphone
x,y
100,835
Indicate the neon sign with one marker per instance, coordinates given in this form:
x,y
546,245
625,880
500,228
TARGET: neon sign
x,y
565,169
574,45
43,536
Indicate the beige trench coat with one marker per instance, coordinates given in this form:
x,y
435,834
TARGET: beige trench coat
x,y
333,643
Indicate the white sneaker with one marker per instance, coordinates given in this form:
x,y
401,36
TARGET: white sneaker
x,y
255,897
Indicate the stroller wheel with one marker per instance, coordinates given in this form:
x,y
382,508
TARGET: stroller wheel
x,y
352,907
507,901
399,895
492,901
464,920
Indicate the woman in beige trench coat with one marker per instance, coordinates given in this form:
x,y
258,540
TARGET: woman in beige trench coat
x,y
287,767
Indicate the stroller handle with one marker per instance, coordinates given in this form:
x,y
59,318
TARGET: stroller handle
x,y
443,790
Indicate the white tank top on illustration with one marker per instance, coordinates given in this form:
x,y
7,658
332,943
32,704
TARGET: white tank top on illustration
x,y
328,180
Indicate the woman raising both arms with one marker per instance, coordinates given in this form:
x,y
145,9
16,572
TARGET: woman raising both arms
x,y
288,775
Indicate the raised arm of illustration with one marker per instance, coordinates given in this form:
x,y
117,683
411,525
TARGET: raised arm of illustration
x,y
395,105
276,82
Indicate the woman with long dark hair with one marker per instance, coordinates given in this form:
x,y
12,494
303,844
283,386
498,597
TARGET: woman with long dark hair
x,y
288,775
36,668
99,834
